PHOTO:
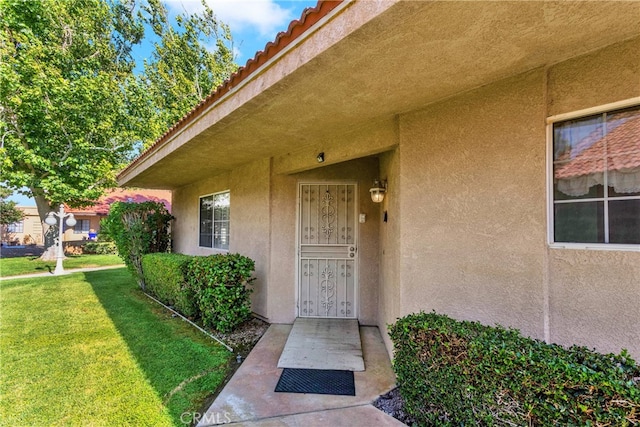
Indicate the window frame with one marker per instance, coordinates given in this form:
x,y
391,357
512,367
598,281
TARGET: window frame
x,y
79,224
213,247
628,103
15,227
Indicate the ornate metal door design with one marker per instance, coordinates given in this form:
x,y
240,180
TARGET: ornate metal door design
x,y
327,251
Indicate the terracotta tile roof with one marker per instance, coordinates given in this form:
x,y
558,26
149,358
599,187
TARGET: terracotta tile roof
x,y
622,146
310,16
124,195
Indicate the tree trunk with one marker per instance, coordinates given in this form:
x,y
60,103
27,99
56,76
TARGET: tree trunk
x,y
50,232
51,250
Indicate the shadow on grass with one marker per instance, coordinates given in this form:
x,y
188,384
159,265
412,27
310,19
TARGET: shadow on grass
x,y
180,363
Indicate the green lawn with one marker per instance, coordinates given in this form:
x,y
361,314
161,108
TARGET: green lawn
x,y
90,349
27,265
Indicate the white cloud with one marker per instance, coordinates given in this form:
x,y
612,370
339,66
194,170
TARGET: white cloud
x,y
264,16
253,23
179,6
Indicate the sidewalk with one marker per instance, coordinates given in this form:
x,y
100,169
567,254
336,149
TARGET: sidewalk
x,y
249,398
66,271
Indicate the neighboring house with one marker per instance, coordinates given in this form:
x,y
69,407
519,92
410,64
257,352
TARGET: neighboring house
x,y
88,219
505,137
28,231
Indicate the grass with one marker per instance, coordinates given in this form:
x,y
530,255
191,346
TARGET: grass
x,y
27,265
90,349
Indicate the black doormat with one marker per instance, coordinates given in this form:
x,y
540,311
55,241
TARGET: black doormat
x,y
316,381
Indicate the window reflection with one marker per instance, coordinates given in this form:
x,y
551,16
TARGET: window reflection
x,y
590,155
214,221
591,150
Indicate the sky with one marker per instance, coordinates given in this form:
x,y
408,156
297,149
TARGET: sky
x,y
253,24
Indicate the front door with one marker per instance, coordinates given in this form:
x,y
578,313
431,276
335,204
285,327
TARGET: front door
x,y
327,250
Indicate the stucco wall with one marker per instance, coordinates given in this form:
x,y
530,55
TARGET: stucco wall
x,y
473,206
282,304
389,288
186,210
249,225
473,203
607,75
595,299
250,222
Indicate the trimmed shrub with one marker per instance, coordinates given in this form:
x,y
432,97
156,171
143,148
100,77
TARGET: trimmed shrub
x,y
219,283
164,275
100,248
455,373
138,229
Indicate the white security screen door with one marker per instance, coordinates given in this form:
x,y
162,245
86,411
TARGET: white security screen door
x,y
327,250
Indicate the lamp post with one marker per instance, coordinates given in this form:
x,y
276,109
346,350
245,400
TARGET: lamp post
x,y
51,220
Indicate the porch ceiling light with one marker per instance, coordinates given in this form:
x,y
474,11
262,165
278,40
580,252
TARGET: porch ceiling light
x,y
378,190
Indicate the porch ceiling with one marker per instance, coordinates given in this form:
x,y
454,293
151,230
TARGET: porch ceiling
x,y
389,61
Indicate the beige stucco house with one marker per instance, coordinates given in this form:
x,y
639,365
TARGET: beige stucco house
x,y
27,231
505,136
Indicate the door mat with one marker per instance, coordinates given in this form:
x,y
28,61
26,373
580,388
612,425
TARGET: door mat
x,y
316,381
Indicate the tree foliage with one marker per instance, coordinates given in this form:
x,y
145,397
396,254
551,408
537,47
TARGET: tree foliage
x,y
67,113
189,60
73,107
138,229
9,213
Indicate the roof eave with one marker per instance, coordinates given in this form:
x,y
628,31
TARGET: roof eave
x,y
283,43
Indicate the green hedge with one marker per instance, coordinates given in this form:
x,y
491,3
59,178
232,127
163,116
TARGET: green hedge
x,y
219,283
100,248
211,288
453,373
164,276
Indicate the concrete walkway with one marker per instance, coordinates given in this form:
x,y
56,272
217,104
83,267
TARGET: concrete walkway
x,y
249,398
323,344
66,271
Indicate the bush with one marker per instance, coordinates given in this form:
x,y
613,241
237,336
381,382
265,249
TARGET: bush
x,y
219,283
138,229
100,248
164,276
463,373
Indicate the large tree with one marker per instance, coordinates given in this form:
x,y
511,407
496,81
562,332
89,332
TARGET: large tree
x,y
72,107
67,97
191,57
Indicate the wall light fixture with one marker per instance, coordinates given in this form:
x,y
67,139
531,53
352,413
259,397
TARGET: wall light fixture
x,y
378,190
